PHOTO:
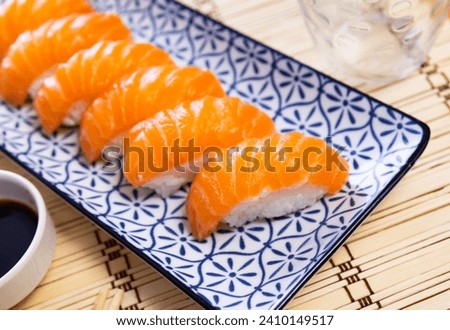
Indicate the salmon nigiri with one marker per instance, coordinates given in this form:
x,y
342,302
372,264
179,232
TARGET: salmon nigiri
x,y
65,95
36,53
139,97
259,184
18,16
192,131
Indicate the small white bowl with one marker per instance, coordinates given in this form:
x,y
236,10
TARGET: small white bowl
x,y
29,271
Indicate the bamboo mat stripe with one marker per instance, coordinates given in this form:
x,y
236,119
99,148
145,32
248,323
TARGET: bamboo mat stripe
x,y
398,259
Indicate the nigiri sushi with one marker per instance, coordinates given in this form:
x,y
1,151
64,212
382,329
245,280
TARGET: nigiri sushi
x,y
139,97
18,16
197,127
36,53
74,85
261,184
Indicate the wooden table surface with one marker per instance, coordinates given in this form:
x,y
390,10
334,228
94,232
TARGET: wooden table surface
x,y
398,259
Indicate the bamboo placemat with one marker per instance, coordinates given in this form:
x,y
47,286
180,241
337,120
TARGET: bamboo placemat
x,y
398,259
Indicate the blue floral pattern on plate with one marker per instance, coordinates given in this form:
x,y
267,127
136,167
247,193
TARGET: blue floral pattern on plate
x,y
263,264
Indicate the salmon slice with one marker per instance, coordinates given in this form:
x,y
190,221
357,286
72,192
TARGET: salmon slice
x,y
37,52
198,129
259,184
65,95
139,97
18,16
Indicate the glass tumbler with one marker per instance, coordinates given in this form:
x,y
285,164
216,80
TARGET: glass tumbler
x,y
374,41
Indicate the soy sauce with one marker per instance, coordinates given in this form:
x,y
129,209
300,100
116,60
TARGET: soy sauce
x,y
18,224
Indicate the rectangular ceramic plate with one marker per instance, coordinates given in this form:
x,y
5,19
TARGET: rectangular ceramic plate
x,y
263,264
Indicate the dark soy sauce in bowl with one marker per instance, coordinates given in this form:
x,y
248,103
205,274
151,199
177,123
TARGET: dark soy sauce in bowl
x,y
18,224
